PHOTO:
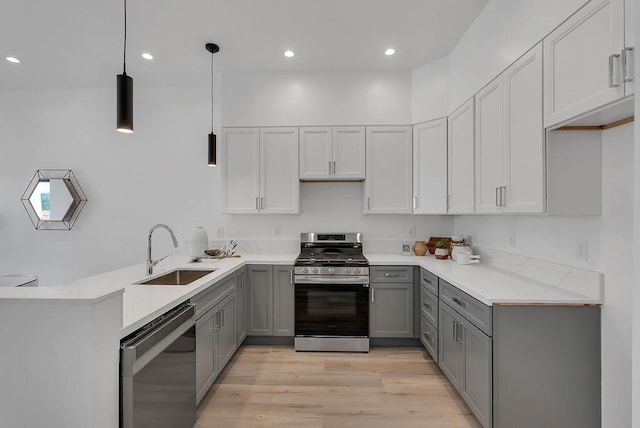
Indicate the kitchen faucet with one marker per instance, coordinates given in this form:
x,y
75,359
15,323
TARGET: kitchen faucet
x,y
150,262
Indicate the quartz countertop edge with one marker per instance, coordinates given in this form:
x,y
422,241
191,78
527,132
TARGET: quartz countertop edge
x,y
143,303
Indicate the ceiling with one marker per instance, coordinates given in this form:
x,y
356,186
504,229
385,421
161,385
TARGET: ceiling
x,y
78,43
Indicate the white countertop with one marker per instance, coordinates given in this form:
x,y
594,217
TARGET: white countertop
x,y
143,303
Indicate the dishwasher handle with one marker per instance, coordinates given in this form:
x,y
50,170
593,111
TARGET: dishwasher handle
x,y
133,351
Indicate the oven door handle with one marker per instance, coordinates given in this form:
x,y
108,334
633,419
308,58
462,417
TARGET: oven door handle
x,y
310,280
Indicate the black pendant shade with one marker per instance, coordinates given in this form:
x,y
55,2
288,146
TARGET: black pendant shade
x,y
212,149
125,103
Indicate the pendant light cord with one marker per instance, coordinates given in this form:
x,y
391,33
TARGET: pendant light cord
x,y
124,57
211,92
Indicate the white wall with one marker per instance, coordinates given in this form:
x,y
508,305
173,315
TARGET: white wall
x,y
316,98
502,32
430,91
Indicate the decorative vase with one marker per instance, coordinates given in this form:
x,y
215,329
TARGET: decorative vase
x,y
442,253
419,248
199,241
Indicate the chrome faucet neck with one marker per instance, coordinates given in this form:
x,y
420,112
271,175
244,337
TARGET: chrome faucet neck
x,y
150,262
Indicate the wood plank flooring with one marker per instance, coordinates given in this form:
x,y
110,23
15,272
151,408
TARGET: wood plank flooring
x,y
266,386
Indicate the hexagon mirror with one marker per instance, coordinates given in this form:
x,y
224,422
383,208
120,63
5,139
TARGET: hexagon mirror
x,y
53,199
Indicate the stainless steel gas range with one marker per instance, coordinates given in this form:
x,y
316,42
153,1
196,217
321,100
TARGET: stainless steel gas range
x,y
331,280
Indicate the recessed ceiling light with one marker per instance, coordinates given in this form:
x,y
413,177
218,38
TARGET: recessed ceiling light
x,y
13,60
389,52
288,54
147,55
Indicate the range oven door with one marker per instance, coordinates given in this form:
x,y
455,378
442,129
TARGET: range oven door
x,y
332,310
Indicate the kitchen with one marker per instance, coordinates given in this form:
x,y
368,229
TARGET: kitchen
x,y
127,188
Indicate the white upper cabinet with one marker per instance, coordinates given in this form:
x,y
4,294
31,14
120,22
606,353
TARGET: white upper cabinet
x,y
336,153
430,167
461,160
510,140
583,66
279,183
389,173
260,171
240,168
490,148
524,135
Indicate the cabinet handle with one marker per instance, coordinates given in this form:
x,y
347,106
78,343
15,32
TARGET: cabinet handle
x,y
497,196
612,82
391,275
427,280
291,277
428,337
373,295
458,328
334,167
627,64
368,203
455,331
459,302
257,206
427,305
218,320
415,202
329,167
503,196
261,203
222,318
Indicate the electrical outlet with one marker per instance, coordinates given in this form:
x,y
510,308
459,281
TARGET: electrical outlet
x,y
582,250
220,232
512,240
411,231
276,230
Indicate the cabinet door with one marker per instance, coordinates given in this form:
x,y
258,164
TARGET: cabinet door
x,y
348,153
316,161
461,160
259,300
389,170
391,312
241,305
283,305
226,334
279,182
577,61
450,344
240,166
490,153
524,135
476,384
206,368
430,167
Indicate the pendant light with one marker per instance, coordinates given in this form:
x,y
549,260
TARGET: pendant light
x,y
212,48
125,89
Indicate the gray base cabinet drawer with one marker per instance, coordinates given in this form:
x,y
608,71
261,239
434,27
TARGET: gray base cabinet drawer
x,y
210,297
429,338
391,274
429,281
473,310
429,306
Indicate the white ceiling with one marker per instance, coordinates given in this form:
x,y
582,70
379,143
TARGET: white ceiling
x,y
78,43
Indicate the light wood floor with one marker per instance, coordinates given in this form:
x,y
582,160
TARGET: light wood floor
x,y
266,386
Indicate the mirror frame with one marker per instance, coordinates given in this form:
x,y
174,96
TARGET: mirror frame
x,y
79,199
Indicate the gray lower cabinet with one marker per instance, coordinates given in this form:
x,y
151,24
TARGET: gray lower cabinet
x,y
391,313
270,306
259,297
465,356
241,306
283,304
216,333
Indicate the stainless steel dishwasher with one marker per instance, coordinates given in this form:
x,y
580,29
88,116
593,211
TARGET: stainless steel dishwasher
x,y
158,373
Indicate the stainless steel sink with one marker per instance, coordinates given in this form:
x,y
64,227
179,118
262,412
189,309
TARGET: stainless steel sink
x,y
178,277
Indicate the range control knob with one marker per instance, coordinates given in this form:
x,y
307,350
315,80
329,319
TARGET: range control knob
x,y
315,270
331,270
347,271
357,271
305,271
